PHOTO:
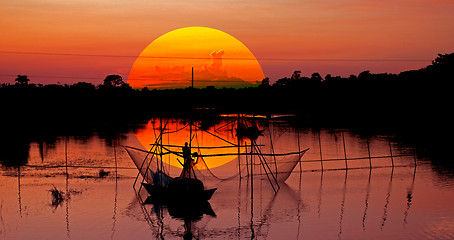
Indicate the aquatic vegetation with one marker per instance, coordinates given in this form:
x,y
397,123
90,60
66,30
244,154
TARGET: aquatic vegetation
x,y
57,197
103,173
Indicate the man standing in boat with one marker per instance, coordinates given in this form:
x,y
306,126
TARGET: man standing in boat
x,y
188,161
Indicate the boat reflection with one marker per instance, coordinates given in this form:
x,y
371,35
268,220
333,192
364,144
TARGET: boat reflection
x,y
188,212
321,199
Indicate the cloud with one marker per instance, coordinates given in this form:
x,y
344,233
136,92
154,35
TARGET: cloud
x,y
216,59
178,76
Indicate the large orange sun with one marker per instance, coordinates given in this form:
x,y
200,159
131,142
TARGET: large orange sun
x,y
176,133
214,58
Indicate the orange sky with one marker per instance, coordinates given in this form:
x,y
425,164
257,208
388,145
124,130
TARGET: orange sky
x,y
212,56
283,35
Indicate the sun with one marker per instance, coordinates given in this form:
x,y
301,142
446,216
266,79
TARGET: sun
x,y
176,133
213,57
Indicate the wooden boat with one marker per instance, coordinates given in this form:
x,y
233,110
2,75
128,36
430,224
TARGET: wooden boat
x,y
189,189
164,188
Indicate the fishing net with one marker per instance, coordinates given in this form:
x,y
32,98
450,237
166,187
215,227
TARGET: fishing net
x,y
227,157
281,166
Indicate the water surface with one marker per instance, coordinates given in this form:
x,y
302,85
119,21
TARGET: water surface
x,y
400,202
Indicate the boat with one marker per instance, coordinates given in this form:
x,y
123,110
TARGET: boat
x,y
190,189
165,188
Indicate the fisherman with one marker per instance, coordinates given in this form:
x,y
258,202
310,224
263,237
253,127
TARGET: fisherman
x,y
186,152
187,158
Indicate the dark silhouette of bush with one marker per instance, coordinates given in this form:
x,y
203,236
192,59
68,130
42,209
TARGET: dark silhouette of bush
x,y
113,81
22,80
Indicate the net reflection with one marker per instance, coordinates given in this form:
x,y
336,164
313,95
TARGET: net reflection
x,y
388,196
409,198
341,217
366,202
360,202
18,192
364,153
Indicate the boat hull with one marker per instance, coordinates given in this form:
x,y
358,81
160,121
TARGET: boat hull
x,y
179,189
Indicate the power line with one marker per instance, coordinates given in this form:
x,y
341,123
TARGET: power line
x,y
40,76
209,58
101,78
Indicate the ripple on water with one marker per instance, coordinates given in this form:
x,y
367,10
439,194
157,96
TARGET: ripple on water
x,y
441,229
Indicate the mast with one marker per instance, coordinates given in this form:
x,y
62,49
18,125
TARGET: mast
x,y
159,167
190,117
190,128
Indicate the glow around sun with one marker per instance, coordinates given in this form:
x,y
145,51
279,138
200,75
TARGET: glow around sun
x,y
218,59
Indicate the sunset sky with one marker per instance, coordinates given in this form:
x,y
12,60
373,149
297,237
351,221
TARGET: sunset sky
x,y
214,58
84,40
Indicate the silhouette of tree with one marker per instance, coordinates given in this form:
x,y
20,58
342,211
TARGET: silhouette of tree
x,y
288,82
353,77
126,86
328,77
316,77
366,75
444,59
83,85
283,82
296,75
442,67
22,80
113,81
265,82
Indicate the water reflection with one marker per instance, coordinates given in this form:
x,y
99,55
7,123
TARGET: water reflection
x,y
409,197
366,202
18,192
188,213
14,151
319,205
16,141
388,196
397,202
344,191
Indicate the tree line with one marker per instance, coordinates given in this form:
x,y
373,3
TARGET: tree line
x,y
365,99
110,81
414,103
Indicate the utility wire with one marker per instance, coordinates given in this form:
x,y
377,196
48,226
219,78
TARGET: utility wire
x,y
209,58
40,76
143,79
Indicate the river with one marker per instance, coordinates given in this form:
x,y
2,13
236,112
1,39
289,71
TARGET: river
x,y
384,190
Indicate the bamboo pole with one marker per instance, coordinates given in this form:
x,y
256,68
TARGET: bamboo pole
x,y
148,153
368,151
267,169
160,169
391,151
238,141
247,164
201,147
299,149
252,168
272,150
345,151
320,147
66,156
